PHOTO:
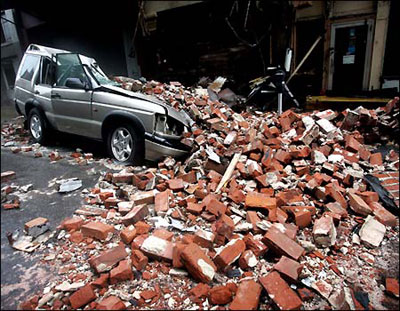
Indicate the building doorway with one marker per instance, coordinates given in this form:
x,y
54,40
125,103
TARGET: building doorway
x,y
350,57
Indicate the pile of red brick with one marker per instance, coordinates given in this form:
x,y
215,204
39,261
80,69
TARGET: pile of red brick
x,y
267,211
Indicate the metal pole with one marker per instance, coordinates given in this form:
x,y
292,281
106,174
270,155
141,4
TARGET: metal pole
x,y
280,103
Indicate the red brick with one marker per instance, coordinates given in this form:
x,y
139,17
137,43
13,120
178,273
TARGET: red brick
x,y
229,253
110,303
252,217
204,238
142,227
161,202
302,217
352,144
236,195
6,176
37,222
82,296
260,200
139,260
283,156
383,215
194,208
128,234
107,259
256,246
198,264
215,207
282,244
190,177
143,197
122,272
111,202
336,208
280,292
97,230
247,296
175,184
225,226
376,159
369,196
277,215
163,234
158,248
176,255
137,213
200,290
73,223
104,195
101,281
76,237
358,205
289,269
247,260
220,295
392,286
122,178
333,191
390,181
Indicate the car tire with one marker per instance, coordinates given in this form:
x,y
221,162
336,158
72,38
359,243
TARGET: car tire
x,y
125,145
37,126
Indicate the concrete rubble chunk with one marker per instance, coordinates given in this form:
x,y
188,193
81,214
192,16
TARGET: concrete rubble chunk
x,y
372,232
324,231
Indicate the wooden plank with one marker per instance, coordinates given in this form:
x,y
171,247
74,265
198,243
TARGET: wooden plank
x,y
228,172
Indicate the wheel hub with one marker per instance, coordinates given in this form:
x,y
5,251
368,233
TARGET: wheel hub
x,y
121,144
36,127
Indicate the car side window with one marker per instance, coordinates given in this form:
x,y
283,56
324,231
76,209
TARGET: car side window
x,y
46,72
69,66
29,66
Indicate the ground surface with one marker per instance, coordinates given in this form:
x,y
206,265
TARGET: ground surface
x,y
20,273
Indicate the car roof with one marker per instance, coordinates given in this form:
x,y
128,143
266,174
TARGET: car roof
x,y
44,50
49,52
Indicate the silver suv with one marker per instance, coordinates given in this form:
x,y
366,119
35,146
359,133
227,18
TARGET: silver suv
x,y
68,92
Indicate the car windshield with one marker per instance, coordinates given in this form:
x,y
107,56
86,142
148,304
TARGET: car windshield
x,y
100,76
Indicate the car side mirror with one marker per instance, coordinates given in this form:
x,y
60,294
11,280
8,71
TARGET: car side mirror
x,y
75,83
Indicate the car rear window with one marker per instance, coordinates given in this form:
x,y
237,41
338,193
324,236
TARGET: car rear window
x,y
29,66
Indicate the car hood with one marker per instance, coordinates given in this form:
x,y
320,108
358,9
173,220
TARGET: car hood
x,y
180,116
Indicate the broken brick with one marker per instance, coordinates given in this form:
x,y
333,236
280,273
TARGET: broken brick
x,y
247,296
282,244
97,230
280,292
199,265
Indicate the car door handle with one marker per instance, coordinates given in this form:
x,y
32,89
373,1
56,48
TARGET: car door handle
x,y
37,92
56,95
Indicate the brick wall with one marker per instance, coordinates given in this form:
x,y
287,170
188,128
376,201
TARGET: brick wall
x,y
390,181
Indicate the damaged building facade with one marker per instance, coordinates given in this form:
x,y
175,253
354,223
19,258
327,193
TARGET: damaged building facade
x,y
238,39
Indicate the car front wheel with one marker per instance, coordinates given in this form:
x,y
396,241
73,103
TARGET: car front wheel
x,y
125,145
37,126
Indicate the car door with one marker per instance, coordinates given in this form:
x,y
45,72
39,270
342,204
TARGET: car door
x,y
71,104
43,87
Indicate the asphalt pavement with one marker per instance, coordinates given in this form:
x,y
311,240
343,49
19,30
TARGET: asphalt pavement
x,y
21,273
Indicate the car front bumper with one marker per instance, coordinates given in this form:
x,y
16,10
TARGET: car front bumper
x,y
158,148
